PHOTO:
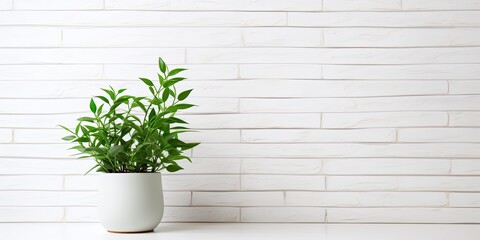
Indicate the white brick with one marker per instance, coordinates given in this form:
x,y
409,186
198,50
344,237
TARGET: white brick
x,y
466,167
409,150
6,4
58,5
174,182
362,183
464,87
141,18
440,183
440,5
314,135
44,166
81,214
238,199
248,5
287,37
201,182
49,121
309,88
89,198
177,198
407,183
171,214
411,103
201,214
363,199
91,55
55,135
253,55
47,198
385,19
383,119
335,55
204,71
283,214
279,71
22,37
212,136
404,215
48,106
82,182
439,135
400,37
152,37
458,71
375,166
281,166
282,182
40,135
361,5
31,214
464,199
213,105
253,121
31,182
6,136
44,72
464,119
62,107
212,166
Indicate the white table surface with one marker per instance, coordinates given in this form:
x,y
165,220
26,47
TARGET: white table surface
x,y
240,231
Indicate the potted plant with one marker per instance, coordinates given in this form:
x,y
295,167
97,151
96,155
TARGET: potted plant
x,y
132,139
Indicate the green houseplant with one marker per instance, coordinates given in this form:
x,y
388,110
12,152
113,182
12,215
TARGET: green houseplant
x,y
132,139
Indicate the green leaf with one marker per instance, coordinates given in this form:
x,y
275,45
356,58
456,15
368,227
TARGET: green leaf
x,y
77,129
138,103
176,71
122,90
103,99
175,142
162,65
69,138
180,157
66,128
82,139
165,94
173,168
156,101
161,79
183,95
175,120
110,93
152,90
189,145
99,111
93,106
147,81
86,119
152,114
174,108
115,150
172,81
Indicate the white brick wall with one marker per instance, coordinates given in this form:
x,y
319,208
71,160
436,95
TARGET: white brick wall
x,y
309,111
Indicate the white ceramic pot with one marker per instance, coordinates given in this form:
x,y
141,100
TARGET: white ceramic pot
x,y
130,202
